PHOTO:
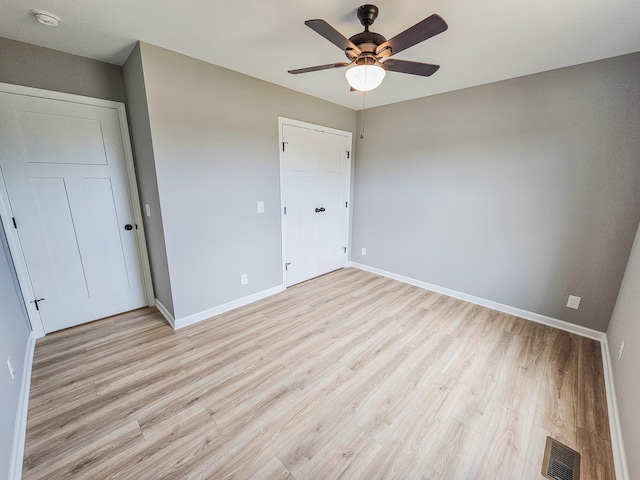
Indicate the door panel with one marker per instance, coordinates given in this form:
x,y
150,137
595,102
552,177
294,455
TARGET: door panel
x,y
330,237
107,233
66,179
51,138
60,263
301,256
331,151
316,171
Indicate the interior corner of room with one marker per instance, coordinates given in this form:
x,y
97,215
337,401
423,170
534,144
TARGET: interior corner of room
x,y
513,195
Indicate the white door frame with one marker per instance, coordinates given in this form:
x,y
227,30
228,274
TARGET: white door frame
x,y
5,205
319,128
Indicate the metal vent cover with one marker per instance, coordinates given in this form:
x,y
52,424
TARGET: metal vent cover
x,y
560,462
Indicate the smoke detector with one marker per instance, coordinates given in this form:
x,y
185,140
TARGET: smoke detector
x,y
46,18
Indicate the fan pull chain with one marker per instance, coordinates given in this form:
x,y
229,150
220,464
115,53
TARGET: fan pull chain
x,y
364,98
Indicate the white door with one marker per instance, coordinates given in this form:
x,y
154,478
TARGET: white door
x,y
66,180
316,170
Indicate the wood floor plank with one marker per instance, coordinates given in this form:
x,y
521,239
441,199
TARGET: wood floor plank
x,y
508,435
382,415
595,461
452,454
478,404
553,413
139,375
272,470
319,421
592,398
64,399
102,414
297,428
86,462
161,457
308,372
408,446
349,375
502,454
534,454
252,410
71,378
349,458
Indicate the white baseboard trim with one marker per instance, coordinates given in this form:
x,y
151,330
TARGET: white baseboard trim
x,y
518,312
166,314
617,444
20,429
212,312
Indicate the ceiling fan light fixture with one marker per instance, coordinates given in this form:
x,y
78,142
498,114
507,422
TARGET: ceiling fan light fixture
x,y
365,77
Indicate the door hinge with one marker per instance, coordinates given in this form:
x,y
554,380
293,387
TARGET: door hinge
x,y
285,210
15,225
345,249
283,144
36,303
286,266
348,154
346,204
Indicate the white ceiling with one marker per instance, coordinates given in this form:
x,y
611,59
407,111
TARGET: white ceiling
x,y
486,41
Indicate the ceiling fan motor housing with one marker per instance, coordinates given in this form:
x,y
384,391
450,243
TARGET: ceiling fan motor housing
x,y
366,41
367,14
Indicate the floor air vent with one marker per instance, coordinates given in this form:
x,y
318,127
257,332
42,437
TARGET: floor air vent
x,y
560,462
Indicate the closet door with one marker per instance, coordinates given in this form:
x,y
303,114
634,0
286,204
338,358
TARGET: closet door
x,y
315,171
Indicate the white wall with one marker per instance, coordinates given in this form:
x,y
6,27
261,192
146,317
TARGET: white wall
x,y
625,325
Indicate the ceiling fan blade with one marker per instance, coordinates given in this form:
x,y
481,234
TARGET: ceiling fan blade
x,y
327,31
420,32
319,67
414,68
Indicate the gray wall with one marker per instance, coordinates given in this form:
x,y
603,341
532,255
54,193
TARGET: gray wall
x,y
14,335
147,180
215,144
520,192
39,67
625,325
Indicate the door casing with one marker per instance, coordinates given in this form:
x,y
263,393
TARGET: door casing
x,y
6,212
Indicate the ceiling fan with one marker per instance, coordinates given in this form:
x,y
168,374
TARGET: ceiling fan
x,y
367,50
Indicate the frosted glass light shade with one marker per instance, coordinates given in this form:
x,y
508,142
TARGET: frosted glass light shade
x,y
365,77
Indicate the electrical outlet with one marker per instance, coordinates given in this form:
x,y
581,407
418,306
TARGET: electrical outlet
x,y
244,279
620,349
12,371
364,252
573,302
260,207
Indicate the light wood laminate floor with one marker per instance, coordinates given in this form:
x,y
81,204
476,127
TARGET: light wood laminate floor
x,y
349,375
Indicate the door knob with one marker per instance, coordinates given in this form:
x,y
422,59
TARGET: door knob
x,y
321,209
128,226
